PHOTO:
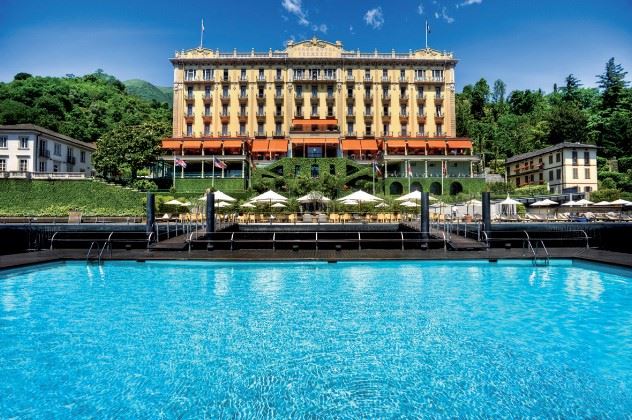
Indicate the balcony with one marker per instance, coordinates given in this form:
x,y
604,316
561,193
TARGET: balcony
x,y
386,79
278,78
261,97
314,99
386,116
330,98
260,133
350,116
428,79
299,98
261,115
421,118
350,79
368,115
45,153
224,116
438,118
350,99
367,78
242,116
225,98
189,98
189,117
403,116
314,114
421,99
225,79
438,99
278,98
311,78
351,134
278,133
243,98
403,79
208,99
368,97
403,98
278,115
207,118
70,160
386,98
261,78
299,114
243,78
439,134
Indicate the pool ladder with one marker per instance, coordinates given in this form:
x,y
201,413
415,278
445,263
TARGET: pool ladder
x,y
545,259
98,251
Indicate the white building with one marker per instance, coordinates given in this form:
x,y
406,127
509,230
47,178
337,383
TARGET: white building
x,y
30,151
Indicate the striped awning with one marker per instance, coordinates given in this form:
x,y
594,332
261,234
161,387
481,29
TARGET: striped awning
x,y
436,144
460,144
259,145
171,144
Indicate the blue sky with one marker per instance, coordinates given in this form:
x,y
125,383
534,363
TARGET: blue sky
x,y
526,43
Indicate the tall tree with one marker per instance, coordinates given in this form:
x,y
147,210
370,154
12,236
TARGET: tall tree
x,y
500,88
571,90
613,83
480,98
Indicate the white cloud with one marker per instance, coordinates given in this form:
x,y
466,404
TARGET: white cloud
x,y
296,8
420,9
374,18
469,3
444,15
351,29
320,28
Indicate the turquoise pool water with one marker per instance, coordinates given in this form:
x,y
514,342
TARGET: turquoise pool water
x,y
379,339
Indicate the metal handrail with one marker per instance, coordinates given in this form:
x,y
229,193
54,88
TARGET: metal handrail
x,y
89,249
52,239
107,245
546,251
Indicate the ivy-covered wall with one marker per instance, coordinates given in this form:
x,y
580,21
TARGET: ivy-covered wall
x,y
200,185
468,185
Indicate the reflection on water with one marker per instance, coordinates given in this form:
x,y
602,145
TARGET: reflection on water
x,y
222,280
584,284
268,282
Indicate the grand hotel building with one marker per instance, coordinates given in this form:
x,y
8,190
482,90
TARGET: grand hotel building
x,y
316,100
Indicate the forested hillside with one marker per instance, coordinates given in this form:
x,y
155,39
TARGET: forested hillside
x,y
146,90
83,107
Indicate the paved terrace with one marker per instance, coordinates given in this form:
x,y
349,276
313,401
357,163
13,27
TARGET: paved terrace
x,y
591,255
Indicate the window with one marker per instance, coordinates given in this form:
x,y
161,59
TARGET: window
x,y
242,91
330,111
42,166
439,130
438,110
243,74
224,129
350,92
224,110
550,159
420,91
314,152
558,157
278,128
350,72
82,157
587,189
404,130
438,91
386,128
349,128
367,74
332,169
189,110
330,91
299,91
367,130
419,75
586,158
421,111
299,111
402,74
3,142
517,181
225,75
207,91
586,173
3,165
278,74
24,142
208,74
260,129
329,74
384,73
24,165
575,173
189,130
541,177
57,149
242,129
550,175
526,179
314,90
225,91
279,91
402,92
421,130
189,92
207,110
558,174
298,74
437,75
189,74
574,157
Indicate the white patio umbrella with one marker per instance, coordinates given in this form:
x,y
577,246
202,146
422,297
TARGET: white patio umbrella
x,y
279,205
603,203
350,202
474,203
440,205
221,204
187,204
268,197
361,197
415,195
509,204
621,202
583,202
219,196
509,201
569,203
381,205
175,202
408,204
248,205
544,203
313,197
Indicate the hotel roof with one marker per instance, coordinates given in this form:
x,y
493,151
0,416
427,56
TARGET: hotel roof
x,y
37,129
566,145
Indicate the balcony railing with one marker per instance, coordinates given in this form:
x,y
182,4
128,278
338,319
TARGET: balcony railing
x,y
45,153
385,79
261,78
243,78
368,78
278,78
350,78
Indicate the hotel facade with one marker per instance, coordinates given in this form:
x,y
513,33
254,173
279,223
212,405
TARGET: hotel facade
x,y
315,100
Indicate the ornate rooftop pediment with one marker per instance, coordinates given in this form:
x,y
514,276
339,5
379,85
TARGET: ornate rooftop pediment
x,y
314,48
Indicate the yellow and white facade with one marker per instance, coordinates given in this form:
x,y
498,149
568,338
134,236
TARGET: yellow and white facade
x,y
315,99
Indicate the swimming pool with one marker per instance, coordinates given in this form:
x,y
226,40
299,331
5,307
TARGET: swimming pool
x,y
360,339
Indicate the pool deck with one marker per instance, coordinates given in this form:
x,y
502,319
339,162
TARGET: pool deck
x,y
592,255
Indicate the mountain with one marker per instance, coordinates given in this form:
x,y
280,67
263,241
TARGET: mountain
x,y
146,90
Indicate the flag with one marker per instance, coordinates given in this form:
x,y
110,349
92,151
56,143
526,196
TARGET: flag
x,y
202,25
251,162
180,162
427,28
444,168
376,168
409,169
218,163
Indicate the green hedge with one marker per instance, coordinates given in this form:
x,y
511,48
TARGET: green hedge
x,y
57,198
227,185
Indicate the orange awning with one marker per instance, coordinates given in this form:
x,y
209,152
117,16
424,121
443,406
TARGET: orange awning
x,y
171,144
459,144
436,144
212,144
395,143
315,140
232,144
259,145
368,144
351,145
417,144
278,146
191,144
330,121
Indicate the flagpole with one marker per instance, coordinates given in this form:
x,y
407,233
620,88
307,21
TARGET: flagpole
x,y
426,30
213,181
373,166
442,169
409,170
202,34
174,171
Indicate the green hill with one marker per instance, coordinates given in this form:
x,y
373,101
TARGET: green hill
x,y
146,90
